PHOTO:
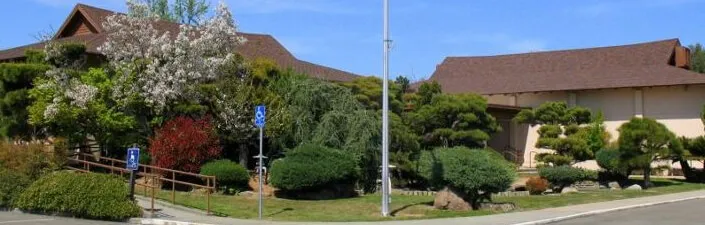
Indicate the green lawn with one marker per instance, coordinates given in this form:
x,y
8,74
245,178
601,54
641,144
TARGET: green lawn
x,y
367,208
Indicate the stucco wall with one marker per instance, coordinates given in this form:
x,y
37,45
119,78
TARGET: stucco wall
x,y
617,105
498,99
677,107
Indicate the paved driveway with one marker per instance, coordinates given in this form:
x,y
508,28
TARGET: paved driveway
x,y
682,213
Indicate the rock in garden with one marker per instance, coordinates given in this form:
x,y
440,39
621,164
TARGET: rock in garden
x,y
614,184
635,187
569,190
246,193
451,199
587,186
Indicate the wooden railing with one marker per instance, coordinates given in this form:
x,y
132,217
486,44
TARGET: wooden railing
x,y
116,165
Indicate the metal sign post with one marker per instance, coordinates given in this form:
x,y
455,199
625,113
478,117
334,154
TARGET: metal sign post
x,y
133,164
260,115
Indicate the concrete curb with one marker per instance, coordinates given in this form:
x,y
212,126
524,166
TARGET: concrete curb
x,y
167,222
603,211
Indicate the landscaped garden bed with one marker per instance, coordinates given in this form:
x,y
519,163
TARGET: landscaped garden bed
x,y
403,207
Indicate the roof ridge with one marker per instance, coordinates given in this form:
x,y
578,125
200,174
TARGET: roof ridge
x,y
260,45
675,40
94,7
328,67
160,20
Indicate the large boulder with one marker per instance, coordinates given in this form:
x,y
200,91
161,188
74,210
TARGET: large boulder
x,y
567,190
451,199
635,187
614,185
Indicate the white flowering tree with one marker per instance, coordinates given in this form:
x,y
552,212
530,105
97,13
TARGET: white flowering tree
x,y
74,103
150,72
162,68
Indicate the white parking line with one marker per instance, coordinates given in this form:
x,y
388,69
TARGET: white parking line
x,y
24,221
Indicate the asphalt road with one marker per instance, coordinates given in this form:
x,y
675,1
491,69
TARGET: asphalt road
x,y
681,213
12,218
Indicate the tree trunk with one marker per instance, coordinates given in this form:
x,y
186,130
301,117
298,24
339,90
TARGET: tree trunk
x,y
647,177
475,202
243,155
687,171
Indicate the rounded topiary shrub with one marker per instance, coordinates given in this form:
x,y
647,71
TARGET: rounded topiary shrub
x,y
613,169
11,185
228,174
477,173
536,185
85,195
563,176
315,172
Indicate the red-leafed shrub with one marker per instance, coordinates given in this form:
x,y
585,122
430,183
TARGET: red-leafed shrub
x,y
536,185
184,144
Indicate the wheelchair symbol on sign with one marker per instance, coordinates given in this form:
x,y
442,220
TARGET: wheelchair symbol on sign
x,y
133,158
260,115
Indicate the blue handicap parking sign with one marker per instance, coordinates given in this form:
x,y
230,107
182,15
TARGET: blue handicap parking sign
x,y
133,158
260,115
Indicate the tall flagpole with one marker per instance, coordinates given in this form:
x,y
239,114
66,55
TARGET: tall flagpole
x,y
385,115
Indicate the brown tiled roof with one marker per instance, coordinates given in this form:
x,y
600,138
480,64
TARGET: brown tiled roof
x,y
92,41
636,65
256,46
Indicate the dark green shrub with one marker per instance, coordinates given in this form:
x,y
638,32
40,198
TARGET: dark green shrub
x,y
229,175
477,173
550,131
563,176
609,161
15,83
85,195
312,168
11,185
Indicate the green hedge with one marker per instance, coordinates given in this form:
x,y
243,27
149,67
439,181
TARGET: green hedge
x,y
11,186
477,173
312,167
613,169
563,176
229,175
85,195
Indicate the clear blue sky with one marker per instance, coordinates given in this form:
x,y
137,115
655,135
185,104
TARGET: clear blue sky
x,y
346,34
